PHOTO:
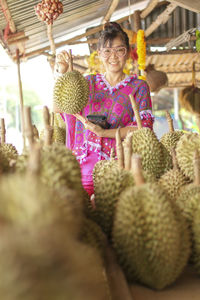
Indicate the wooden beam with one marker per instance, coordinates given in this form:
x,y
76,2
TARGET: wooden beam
x,y
21,40
16,35
193,5
7,15
67,42
184,51
151,5
110,11
136,21
161,19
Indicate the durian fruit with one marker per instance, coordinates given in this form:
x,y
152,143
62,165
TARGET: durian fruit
x,y
173,180
185,149
8,152
188,200
196,239
146,144
151,243
107,191
58,121
59,168
92,235
171,138
59,135
25,201
49,265
71,91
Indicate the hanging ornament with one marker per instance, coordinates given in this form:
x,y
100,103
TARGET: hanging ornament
x,y
141,52
48,11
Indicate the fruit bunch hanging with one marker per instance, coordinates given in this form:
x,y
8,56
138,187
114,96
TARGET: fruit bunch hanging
x,y
48,10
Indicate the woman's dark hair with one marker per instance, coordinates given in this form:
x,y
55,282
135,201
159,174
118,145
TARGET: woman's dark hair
x,y
110,32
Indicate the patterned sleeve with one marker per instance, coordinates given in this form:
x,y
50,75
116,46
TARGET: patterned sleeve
x,y
142,97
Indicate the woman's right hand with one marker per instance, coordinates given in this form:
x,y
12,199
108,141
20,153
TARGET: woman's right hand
x,y
64,62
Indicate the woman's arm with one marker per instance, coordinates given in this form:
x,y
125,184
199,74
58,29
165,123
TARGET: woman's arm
x,y
110,133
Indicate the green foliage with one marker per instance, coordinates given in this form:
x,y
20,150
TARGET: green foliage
x,y
198,40
30,97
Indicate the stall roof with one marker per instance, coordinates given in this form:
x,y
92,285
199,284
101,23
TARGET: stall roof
x,y
80,16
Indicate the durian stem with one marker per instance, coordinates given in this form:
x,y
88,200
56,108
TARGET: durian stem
x,y
70,61
112,154
116,279
198,121
196,168
48,131
28,126
33,167
169,121
128,151
136,111
52,45
119,149
35,133
136,168
3,131
174,159
193,73
52,119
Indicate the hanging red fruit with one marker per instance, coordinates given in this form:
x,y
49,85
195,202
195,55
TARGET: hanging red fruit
x,y
48,11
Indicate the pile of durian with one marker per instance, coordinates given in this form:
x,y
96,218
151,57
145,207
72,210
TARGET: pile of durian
x,y
142,226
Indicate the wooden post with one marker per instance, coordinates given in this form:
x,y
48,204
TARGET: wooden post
x,y
3,131
20,97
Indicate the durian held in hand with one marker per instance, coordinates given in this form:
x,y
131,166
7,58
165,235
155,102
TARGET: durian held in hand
x,y
71,89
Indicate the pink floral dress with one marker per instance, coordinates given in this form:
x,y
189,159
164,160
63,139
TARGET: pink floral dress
x,y
114,103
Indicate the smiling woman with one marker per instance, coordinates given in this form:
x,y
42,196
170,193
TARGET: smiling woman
x,y
108,96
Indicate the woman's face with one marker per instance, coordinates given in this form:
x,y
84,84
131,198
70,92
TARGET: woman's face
x,y
114,58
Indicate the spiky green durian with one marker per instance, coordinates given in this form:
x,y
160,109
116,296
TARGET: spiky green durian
x,y
146,144
71,91
185,150
188,200
107,190
26,202
59,135
50,266
172,181
101,167
92,235
59,168
170,139
166,163
58,121
196,239
21,163
8,152
148,238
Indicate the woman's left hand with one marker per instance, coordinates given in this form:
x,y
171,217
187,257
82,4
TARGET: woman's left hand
x,y
90,126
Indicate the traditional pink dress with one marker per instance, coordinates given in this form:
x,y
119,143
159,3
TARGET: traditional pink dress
x,y
114,103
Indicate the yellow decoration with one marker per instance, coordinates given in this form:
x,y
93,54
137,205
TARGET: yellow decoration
x,y
141,50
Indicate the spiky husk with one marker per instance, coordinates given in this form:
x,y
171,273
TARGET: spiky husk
x,y
21,163
107,191
147,237
8,152
59,168
196,239
71,91
172,181
50,266
166,163
59,134
188,200
26,201
92,235
170,139
58,121
185,150
146,144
